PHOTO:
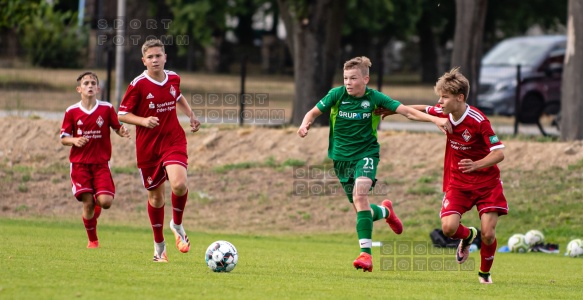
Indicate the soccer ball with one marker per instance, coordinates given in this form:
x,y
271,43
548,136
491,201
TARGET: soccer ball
x,y
575,248
517,243
221,256
534,237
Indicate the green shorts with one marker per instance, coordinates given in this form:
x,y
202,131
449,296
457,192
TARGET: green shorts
x,y
347,171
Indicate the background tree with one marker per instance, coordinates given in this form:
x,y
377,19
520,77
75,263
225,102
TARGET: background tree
x,y
314,42
371,25
467,43
572,89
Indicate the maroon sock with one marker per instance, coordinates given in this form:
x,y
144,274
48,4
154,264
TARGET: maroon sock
x,y
91,228
461,233
157,220
487,255
178,204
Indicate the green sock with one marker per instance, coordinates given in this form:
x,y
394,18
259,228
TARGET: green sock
x,y
364,230
378,212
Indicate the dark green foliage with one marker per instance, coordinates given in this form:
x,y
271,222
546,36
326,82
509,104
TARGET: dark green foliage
x,y
53,40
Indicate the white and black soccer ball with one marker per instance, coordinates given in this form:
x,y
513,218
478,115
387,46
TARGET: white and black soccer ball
x,y
517,243
534,237
221,256
575,248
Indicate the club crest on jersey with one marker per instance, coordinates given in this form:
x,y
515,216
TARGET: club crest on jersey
x,y
445,203
99,121
79,123
152,106
173,91
466,135
365,104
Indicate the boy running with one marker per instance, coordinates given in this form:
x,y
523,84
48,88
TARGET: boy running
x,y
354,148
471,176
86,129
150,103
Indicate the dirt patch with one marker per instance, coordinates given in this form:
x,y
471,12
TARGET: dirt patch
x,y
239,178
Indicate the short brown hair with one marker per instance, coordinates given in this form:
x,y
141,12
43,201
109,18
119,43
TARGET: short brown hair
x,y
152,43
361,63
453,82
85,74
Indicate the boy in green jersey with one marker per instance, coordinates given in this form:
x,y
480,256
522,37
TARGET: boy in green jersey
x,y
354,148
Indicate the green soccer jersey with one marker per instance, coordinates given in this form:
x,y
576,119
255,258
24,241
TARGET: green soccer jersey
x,y
353,125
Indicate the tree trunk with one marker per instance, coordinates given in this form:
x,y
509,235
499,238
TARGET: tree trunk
x,y
572,89
467,43
428,49
313,37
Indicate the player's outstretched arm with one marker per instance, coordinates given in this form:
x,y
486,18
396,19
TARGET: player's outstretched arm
x,y
308,120
416,115
383,112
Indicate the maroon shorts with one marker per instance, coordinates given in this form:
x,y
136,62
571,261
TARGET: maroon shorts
x,y
153,176
486,199
91,178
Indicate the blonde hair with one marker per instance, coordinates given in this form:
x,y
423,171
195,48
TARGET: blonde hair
x,y
453,82
361,63
152,43
85,74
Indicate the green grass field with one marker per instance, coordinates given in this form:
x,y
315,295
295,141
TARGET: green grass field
x,y
47,259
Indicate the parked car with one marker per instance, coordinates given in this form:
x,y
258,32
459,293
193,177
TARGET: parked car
x,y
541,64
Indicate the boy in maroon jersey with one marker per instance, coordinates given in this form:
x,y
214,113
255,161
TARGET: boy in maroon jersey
x,y
86,128
470,174
150,103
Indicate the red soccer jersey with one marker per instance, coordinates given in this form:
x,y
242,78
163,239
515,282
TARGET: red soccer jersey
x,y
147,97
94,125
472,138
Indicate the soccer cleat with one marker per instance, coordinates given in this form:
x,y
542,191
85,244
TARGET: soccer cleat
x,y
364,262
463,249
392,219
160,254
485,278
93,244
182,242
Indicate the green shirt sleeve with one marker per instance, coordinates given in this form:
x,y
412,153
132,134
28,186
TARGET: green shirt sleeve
x,y
386,101
326,103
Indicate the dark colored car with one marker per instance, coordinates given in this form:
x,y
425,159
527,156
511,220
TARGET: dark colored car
x,y
541,63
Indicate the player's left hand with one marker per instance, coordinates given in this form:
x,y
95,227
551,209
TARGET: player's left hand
x,y
194,124
467,165
444,125
123,132
383,112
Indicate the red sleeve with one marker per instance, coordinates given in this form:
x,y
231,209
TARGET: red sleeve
x,y
130,100
490,138
435,111
178,91
67,126
113,120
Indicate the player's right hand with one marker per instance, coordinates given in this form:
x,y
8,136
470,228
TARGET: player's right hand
x,y
303,131
151,122
81,141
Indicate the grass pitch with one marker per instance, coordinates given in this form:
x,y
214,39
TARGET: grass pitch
x,y
47,259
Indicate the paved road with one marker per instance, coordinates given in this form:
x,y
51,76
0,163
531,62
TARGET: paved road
x,y
385,125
